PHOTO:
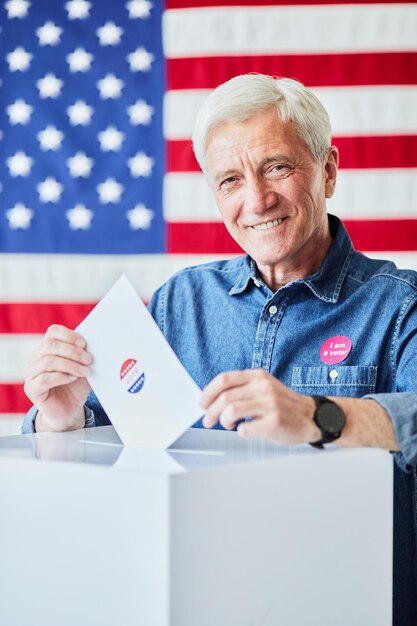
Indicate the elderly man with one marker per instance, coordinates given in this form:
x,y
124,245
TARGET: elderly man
x,y
311,340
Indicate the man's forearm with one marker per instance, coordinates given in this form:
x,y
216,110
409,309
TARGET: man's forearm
x,y
367,424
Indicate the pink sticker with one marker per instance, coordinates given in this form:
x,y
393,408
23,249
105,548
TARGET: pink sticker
x,y
335,350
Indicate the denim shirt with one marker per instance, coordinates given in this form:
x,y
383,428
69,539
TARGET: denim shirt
x,y
221,316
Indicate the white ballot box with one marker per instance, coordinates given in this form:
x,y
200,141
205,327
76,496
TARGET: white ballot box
x,y
216,531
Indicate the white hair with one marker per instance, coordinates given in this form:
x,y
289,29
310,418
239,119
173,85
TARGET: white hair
x,y
243,97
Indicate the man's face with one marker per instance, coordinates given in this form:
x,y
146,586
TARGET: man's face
x,y
270,191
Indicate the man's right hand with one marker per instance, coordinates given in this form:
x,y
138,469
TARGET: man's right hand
x,y
55,380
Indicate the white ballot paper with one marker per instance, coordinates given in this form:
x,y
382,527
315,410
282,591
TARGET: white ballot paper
x,y
145,390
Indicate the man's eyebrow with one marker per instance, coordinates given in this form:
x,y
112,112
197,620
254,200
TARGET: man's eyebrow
x,y
274,158
266,161
223,174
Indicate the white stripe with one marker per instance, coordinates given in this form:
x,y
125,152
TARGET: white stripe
x,y
289,29
359,194
374,110
85,278
14,353
11,425
403,260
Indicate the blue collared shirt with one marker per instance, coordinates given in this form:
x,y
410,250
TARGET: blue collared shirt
x,y
221,316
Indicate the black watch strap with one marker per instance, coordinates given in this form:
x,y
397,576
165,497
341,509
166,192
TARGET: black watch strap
x,y
330,419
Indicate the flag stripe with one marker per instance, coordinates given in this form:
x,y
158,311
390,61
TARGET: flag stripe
x,y
34,278
367,235
221,31
355,152
185,4
360,193
364,111
331,70
13,398
18,317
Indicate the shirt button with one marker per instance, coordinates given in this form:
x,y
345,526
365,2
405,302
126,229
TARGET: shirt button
x,y
333,374
272,310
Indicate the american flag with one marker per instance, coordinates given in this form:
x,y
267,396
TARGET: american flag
x,y
97,173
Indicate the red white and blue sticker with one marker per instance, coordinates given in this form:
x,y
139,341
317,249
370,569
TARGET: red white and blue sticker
x,y
335,349
132,376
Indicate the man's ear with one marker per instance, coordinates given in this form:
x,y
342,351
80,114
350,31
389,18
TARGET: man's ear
x,y
330,168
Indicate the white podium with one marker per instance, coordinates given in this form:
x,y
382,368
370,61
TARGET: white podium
x,y
217,531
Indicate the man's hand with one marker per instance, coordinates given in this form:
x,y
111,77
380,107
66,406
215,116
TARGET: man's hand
x,y
55,379
277,412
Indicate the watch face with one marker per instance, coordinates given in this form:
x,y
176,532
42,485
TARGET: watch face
x,y
330,418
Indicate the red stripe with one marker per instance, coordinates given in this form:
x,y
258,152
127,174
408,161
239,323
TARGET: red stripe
x,y
193,4
367,235
34,318
329,70
355,152
13,399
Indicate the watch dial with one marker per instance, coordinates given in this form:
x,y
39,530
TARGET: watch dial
x,y
332,419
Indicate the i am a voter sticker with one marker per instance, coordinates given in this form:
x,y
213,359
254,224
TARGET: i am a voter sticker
x,y
335,349
132,376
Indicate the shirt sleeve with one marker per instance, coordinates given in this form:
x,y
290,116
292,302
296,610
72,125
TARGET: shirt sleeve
x,y
28,425
401,406
402,409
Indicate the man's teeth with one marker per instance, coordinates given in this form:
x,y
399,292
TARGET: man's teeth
x,y
267,225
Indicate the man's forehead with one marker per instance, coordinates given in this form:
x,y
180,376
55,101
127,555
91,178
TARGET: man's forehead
x,y
230,141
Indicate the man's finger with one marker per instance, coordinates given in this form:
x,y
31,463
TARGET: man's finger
x,y
62,333
221,383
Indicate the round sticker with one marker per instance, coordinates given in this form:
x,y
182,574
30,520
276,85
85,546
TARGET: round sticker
x,y
335,350
132,376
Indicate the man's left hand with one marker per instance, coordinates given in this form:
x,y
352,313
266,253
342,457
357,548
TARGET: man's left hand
x,y
276,411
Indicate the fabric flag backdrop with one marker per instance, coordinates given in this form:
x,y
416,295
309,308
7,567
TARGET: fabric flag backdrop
x,y
96,169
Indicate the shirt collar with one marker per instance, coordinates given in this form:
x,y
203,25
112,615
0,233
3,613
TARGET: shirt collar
x,y
326,283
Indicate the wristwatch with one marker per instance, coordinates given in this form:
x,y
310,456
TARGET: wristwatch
x,y
330,419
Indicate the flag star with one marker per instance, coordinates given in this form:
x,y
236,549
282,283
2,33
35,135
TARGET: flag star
x,y
80,165
19,216
109,34
140,60
78,9
19,112
19,60
79,60
140,217
49,34
49,86
19,164
110,87
50,138
110,191
80,113
139,8
140,113
17,8
79,217
49,190
110,139
141,165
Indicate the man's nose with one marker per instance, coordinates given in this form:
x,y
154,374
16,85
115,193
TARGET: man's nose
x,y
258,197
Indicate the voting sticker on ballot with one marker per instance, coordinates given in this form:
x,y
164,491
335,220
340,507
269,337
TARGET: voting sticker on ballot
x,y
148,395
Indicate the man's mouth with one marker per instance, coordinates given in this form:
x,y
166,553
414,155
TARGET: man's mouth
x,y
268,225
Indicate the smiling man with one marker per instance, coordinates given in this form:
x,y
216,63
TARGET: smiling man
x,y
302,339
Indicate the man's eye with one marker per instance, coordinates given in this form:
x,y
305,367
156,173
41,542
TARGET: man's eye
x,y
228,181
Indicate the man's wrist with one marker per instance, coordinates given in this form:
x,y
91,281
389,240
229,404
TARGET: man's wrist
x,y
44,423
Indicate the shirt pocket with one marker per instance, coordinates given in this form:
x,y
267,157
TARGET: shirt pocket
x,y
335,380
